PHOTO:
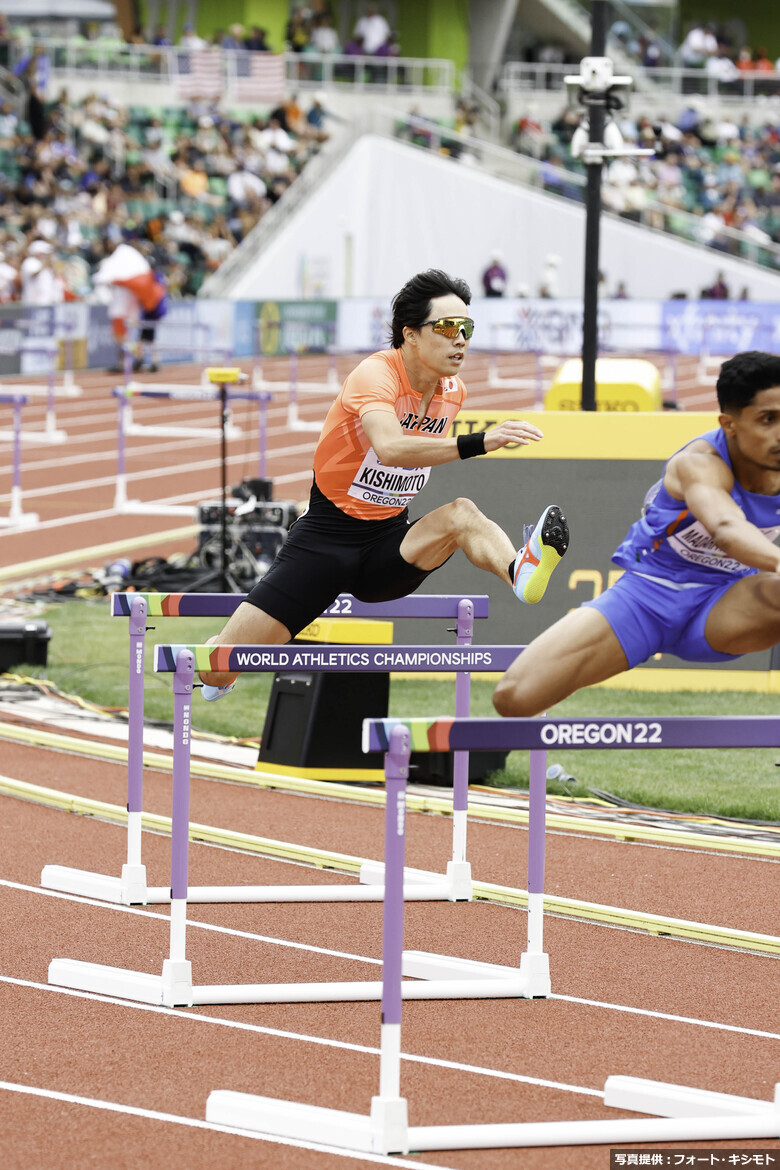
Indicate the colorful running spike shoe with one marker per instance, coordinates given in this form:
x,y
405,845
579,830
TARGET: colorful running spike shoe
x,y
211,694
539,555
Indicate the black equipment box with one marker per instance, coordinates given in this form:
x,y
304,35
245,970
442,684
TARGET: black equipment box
x,y
261,513
23,641
315,719
436,767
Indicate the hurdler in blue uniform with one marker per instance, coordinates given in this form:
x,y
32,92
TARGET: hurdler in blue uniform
x,y
702,574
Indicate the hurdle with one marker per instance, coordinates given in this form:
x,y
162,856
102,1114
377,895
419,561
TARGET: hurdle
x,y
438,977
131,888
174,393
681,1113
17,517
50,433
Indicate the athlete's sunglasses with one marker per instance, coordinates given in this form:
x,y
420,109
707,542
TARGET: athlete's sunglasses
x,y
451,326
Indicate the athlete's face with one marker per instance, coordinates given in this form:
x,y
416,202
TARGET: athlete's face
x,y
754,432
444,355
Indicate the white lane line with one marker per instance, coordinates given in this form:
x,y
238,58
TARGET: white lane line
x,y
304,1038
616,1007
136,477
194,1123
650,1013
190,923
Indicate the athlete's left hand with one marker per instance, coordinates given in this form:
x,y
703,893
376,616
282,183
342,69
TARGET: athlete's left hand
x,y
512,433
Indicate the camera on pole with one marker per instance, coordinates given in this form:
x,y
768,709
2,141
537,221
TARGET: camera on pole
x,y
596,87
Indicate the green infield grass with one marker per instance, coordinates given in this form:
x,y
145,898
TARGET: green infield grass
x,y
88,657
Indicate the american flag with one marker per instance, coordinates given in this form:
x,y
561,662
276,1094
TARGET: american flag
x,y
200,73
260,77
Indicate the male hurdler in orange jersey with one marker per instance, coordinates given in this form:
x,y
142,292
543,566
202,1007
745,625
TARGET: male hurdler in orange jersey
x,y
386,430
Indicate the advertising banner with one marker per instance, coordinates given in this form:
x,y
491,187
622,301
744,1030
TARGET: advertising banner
x,y
720,327
296,326
516,325
538,325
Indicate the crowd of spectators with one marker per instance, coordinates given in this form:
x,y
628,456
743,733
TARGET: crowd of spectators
x,y
310,29
708,174
183,186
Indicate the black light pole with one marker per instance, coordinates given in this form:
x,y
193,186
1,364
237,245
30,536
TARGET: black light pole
x,y
596,113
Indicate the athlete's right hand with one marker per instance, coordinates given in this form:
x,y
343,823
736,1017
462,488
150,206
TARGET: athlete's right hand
x,y
512,433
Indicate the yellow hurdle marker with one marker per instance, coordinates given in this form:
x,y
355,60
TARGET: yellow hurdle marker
x,y
225,375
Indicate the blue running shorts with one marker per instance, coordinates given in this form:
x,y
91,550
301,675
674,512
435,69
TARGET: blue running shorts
x,y
649,618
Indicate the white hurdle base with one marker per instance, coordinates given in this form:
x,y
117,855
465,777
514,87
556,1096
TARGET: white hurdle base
x,y
457,878
164,990
131,889
384,1131
664,1100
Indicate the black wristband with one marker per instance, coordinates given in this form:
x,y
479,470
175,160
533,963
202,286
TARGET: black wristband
x,y
471,445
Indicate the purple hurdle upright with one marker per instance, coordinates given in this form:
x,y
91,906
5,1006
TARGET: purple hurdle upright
x,y
453,979
131,887
680,1113
17,517
125,427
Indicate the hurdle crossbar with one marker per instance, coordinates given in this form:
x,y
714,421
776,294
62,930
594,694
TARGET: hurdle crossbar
x,y
443,979
209,393
131,887
681,1113
17,517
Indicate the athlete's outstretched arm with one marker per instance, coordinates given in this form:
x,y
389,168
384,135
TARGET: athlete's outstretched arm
x,y
705,483
397,448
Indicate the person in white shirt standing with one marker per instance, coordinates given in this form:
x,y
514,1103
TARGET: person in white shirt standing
x,y
373,29
40,283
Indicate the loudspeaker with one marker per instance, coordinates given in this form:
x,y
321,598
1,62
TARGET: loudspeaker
x,y
315,719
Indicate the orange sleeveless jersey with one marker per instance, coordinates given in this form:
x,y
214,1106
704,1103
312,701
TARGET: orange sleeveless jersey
x,y
346,467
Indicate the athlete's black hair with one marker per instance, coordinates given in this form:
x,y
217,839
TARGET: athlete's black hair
x,y
412,305
744,375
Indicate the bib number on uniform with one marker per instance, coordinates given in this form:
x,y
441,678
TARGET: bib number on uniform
x,y
386,487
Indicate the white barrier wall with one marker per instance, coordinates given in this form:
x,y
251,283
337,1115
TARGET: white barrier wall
x,y
390,210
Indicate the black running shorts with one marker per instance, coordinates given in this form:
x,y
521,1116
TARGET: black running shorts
x,y
328,552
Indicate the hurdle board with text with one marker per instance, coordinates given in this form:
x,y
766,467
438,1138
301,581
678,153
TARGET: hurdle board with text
x,y
597,466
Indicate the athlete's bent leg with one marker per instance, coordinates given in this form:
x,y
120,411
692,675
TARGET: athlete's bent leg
x,y
746,619
579,650
460,524
247,626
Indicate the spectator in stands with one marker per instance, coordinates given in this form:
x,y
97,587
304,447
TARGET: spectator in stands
x,y
194,181
324,38
242,185
548,285
234,37
297,32
256,41
40,284
718,290
700,43
34,71
373,30
762,62
191,40
219,242
9,280
160,37
494,277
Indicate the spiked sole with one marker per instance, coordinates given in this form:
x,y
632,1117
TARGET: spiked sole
x,y
553,541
